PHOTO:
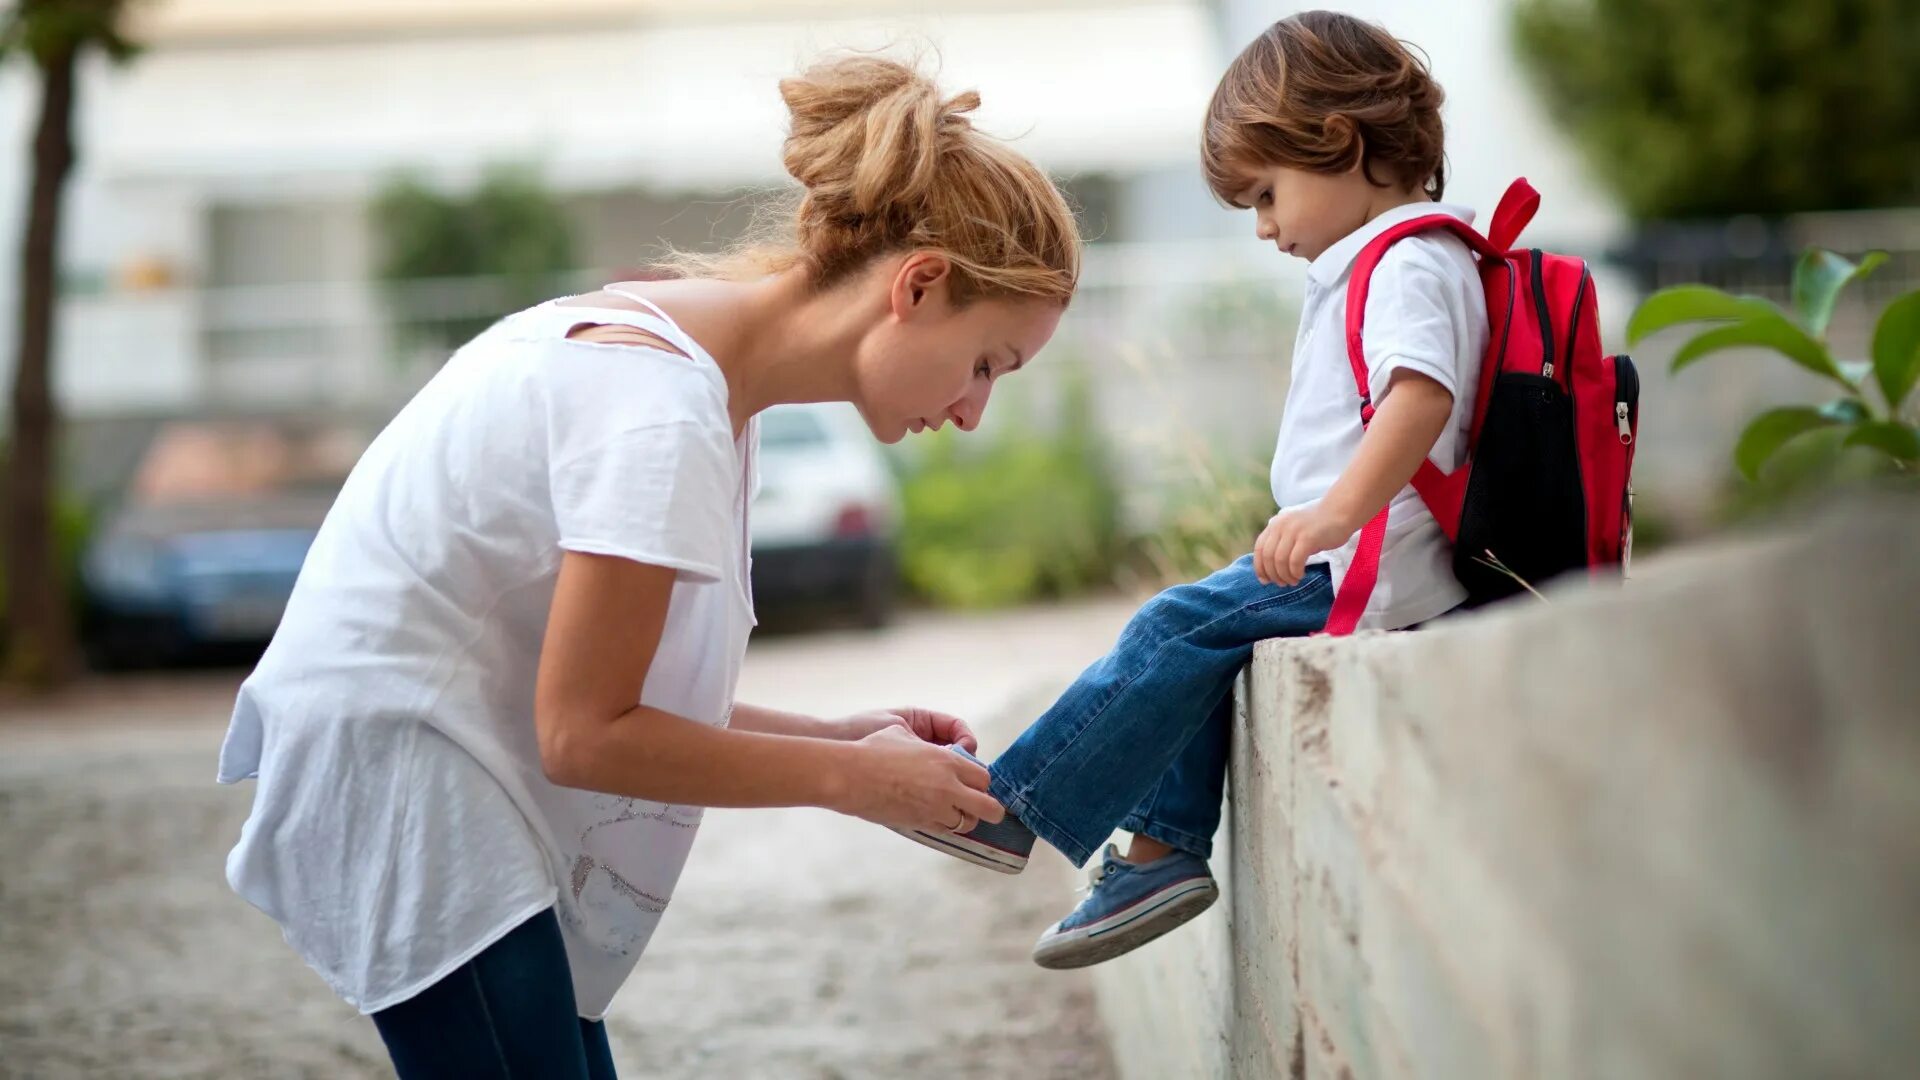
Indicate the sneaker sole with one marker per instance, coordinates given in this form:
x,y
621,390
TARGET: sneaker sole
x,y
960,847
1125,931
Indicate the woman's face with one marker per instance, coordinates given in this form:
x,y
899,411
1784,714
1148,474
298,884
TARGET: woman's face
x,y
930,363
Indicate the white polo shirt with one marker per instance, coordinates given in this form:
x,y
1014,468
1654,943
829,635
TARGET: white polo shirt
x,y
1426,312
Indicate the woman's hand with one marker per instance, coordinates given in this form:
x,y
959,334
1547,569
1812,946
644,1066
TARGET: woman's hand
x,y
906,782
925,724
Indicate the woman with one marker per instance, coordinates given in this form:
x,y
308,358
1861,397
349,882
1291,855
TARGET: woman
x,y
463,820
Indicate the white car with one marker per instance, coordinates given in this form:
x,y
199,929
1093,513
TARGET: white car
x,y
826,514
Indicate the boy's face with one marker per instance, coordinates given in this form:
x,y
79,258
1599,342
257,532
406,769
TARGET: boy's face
x,y
1304,213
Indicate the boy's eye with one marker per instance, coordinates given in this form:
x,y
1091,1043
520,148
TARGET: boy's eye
x,y
1265,199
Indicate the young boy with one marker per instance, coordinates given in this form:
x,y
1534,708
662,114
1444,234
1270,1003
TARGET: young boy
x,y
1329,130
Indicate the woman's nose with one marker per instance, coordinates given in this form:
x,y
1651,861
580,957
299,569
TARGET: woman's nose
x,y
966,412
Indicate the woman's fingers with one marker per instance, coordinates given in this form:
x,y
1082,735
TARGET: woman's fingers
x,y
979,805
967,822
971,773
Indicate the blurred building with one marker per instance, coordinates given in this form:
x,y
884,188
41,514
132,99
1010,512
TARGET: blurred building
x,y
219,253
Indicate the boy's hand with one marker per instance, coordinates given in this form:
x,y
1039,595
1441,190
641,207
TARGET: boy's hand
x,y
1292,537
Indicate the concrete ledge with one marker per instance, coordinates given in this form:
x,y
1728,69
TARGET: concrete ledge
x,y
1670,829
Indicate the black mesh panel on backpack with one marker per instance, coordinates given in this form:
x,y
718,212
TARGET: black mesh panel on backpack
x,y
1524,506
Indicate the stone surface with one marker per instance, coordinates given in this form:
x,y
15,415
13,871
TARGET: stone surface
x,y
1665,829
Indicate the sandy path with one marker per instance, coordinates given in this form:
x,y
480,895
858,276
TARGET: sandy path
x,y
800,944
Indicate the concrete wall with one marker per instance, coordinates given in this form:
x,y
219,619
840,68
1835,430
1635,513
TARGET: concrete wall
x,y
1670,829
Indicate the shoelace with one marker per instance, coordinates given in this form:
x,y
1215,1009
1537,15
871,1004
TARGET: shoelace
x,y
1094,879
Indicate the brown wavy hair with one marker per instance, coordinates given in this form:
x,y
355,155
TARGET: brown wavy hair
x,y
887,164
1323,91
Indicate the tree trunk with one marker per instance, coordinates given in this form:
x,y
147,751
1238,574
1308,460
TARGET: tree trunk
x,y
39,625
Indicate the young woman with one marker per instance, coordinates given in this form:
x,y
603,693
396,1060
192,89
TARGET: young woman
x,y
503,688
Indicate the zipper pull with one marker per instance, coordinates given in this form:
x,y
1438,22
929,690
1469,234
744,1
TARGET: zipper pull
x,y
1546,369
1626,429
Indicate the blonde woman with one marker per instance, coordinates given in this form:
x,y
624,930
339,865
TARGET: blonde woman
x,y
503,688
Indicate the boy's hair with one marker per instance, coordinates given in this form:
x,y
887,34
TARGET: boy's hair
x,y
1323,91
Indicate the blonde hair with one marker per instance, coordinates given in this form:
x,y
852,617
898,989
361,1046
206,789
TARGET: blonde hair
x,y
1323,92
888,165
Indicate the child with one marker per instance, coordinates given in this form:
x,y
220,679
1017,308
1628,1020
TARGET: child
x,y
1329,130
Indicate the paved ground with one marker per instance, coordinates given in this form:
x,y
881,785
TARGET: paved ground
x,y
800,944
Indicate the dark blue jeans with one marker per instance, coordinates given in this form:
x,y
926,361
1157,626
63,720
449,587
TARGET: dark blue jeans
x,y
507,1014
1139,741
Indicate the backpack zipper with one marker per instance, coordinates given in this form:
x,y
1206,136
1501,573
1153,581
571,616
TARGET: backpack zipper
x,y
1579,299
1546,319
1626,402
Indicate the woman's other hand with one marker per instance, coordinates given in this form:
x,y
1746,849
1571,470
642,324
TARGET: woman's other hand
x,y
926,724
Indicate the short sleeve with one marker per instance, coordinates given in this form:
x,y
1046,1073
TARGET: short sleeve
x,y
1416,320
661,494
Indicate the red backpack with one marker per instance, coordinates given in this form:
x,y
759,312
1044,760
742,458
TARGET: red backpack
x,y
1545,485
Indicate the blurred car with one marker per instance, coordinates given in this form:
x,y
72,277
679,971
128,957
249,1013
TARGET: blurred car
x,y
204,546
825,517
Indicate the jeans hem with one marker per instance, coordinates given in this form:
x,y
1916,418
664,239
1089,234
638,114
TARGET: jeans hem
x,y
1193,844
1036,822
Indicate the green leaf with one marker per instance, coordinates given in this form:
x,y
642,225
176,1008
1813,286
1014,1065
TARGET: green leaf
x,y
1770,431
1890,437
1817,281
1691,303
1854,371
1772,331
1896,349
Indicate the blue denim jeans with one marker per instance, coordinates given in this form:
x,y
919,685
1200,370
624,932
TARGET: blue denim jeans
x,y
507,1014
1139,741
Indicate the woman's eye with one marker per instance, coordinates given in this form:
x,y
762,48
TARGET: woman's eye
x,y
985,370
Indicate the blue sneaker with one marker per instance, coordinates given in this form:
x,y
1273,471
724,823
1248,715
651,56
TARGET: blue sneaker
x,y
1128,905
1003,846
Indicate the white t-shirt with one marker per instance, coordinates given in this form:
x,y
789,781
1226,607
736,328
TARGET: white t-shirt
x,y
402,821
1426,312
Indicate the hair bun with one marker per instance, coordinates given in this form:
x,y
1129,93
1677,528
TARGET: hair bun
x,y
867,135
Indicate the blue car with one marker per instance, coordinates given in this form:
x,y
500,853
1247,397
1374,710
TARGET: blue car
x,y
203,550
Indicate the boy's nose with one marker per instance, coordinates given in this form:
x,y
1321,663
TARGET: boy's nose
x,y
1264,228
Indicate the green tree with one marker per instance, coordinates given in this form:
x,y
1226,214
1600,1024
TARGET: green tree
x,y
1699,108
510,229
52,35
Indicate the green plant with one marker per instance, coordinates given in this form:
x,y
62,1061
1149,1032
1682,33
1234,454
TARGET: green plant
x,y
1854,419
1218,509
1030,514
510,229
1700,108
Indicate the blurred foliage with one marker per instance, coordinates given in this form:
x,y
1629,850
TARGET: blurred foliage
x,y
1868,435
1698,108
510,229
1034,513
1215,513
1246,318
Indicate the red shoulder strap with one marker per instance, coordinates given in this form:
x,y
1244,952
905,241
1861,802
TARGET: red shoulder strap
x,y
1442,492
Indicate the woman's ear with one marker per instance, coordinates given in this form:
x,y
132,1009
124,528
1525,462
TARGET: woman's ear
x,y
920,284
